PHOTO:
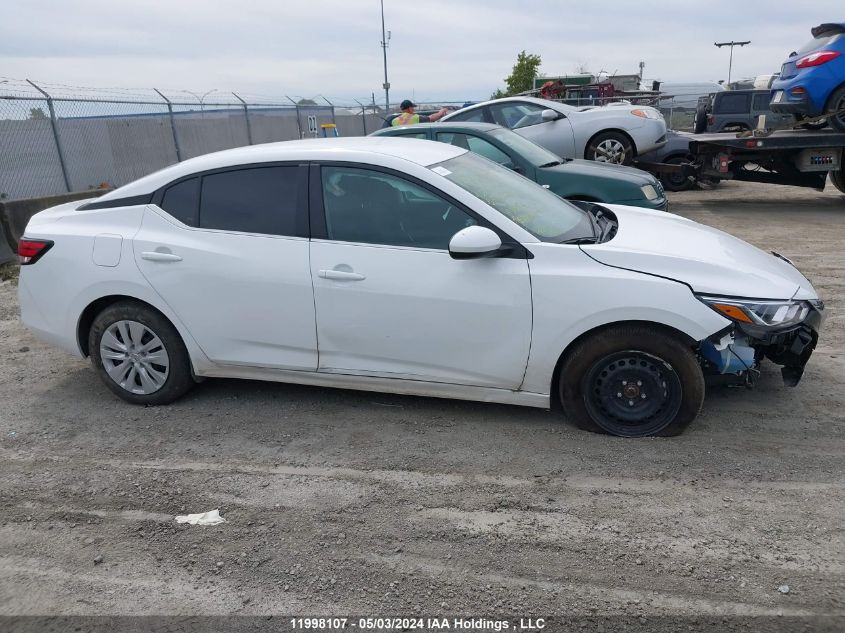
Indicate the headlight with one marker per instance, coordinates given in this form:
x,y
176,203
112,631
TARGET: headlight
x,y
649,192
647,113
774,314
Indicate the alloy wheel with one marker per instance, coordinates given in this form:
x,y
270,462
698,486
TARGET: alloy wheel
x,y
610,151
134,357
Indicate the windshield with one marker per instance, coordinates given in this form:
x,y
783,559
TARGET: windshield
x,y
537,210
533,153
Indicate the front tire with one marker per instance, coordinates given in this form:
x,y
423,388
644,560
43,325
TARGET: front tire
x,y
631,381
139,355
610,147
838,179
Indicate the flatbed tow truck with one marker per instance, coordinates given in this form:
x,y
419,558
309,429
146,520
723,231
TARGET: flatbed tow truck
x,y
796,157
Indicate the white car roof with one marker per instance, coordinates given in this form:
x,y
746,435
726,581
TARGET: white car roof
x,y
362,149
554,105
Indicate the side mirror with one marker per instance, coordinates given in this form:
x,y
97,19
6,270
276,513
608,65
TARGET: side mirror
x,y
474,242
550,115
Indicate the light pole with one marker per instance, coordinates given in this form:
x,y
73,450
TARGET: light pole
x,y
384,44
731,59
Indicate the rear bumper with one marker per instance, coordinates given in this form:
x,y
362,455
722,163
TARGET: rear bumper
x,y
809,101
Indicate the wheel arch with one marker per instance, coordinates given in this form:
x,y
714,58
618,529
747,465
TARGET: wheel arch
x,y
616,131
86,318
829,99
682,337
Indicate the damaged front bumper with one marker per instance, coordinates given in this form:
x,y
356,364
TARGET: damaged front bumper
x,y
736,352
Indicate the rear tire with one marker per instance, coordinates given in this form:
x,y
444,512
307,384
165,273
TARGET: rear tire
x,y
139,355
835,103
631,381
838,179
677,182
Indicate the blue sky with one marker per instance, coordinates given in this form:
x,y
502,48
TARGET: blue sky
x,y
440,49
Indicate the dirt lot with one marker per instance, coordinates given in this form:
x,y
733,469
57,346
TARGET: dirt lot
x,y
352,502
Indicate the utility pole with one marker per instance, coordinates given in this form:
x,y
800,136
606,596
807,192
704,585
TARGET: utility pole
x,y
385,40
731,59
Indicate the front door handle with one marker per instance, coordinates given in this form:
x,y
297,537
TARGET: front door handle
x,y
156,256
341,275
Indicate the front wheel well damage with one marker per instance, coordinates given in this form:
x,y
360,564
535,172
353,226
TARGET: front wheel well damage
x,y
682,337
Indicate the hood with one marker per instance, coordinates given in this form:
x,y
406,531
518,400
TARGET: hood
x,y
708,260
592,168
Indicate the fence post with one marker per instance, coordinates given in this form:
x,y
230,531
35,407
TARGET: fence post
x,y
298,122
332,105
363,115
172,126
56,138
246,118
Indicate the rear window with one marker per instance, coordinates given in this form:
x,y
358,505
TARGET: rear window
x,y
818,42
254,200
182,201
732,104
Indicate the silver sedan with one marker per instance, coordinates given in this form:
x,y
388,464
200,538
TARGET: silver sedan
x,y
614,133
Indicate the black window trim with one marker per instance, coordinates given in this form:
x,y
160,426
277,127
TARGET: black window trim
x,y
511,248
302,218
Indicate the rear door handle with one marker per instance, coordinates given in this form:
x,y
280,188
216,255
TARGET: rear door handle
x,y
156,256
340,275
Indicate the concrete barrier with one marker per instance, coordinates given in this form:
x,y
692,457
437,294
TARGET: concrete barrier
x,y
15,214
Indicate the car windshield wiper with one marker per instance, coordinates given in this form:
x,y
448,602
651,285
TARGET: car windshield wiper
x,y
552,164
587,239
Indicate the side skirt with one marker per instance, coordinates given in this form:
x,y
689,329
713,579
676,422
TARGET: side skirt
x,y
384,385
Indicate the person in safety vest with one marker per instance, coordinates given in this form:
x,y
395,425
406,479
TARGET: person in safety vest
x,y
409,117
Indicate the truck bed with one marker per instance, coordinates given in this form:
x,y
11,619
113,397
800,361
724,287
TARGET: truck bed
x,y
780,140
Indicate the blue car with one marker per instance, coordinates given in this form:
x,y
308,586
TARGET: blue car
x,y
812,81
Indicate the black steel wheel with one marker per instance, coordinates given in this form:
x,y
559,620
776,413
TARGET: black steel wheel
x,y
632,394
632,381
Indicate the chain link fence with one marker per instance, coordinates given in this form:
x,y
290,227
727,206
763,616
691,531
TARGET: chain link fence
x,y
54,143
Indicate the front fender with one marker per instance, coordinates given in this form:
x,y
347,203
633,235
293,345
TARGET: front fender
x,y
573,294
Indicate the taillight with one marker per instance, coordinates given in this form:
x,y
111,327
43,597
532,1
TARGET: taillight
x,y
816,59
30,251
710,119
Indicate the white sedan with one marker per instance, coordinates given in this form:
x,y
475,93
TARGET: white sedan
x,y
412,267
614,133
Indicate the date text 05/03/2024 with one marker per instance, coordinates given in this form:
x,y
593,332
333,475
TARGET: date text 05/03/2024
x,y
465,625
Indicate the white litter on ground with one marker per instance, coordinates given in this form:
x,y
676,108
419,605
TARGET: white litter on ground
x,y
212,517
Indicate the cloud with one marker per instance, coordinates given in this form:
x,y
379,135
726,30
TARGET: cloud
x,y
446,49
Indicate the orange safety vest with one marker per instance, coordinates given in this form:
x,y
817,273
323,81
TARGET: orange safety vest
x,y
406,118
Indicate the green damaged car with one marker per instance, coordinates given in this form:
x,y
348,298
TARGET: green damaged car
x,y
569,178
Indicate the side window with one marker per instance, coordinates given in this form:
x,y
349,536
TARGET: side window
x,y
252,200
476,115
733,104
514,115
372,207
761,101
182,201
477,145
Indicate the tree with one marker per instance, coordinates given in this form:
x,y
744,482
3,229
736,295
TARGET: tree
x,y
521,77
37,113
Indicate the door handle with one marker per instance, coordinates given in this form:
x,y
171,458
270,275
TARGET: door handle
x,y
156,256
341,275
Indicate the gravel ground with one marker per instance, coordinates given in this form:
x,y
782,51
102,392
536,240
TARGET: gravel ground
x,y
353,502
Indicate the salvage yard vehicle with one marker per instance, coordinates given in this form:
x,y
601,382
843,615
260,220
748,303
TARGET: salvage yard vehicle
x,y
412,267
613,133
736,110
812,80
567,177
